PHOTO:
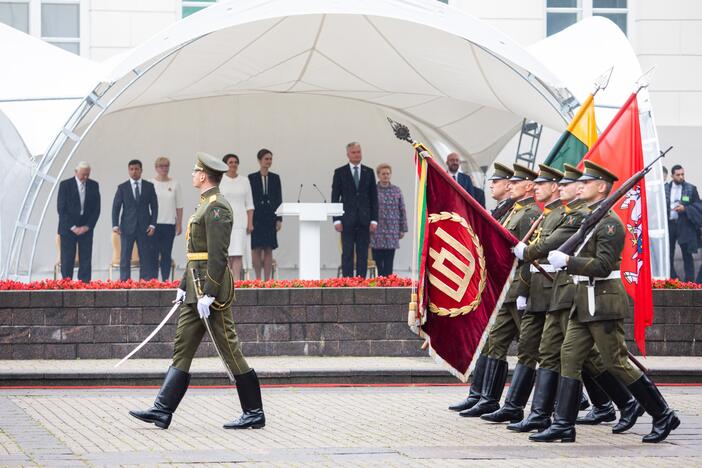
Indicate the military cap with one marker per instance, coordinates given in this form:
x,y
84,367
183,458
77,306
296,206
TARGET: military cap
x,y
570,174
548,174
596,172
208,163
523,173
501,172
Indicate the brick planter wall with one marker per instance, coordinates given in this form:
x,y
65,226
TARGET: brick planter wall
x,y
110,323
316,322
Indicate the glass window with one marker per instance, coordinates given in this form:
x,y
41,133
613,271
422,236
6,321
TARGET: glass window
x,y
60,20
15,15
557,22
618,18
73,47
193,6
562,4
609,3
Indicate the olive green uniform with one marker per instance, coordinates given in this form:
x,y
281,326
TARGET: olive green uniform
x,y
507,322
206,273
599,322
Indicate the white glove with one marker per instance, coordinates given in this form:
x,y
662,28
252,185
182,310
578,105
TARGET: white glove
x,y
180,295
558,259
521,302
519,250
203,306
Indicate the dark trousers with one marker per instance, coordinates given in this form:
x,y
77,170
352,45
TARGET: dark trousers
x,y
688,262
85,255
145,248
163,246
357,237
384,259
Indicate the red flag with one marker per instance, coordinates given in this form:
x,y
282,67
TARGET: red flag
x,y
468,264
619,150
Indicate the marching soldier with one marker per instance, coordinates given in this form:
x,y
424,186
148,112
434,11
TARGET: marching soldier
x,y
499,190
506,327
532,321
207,292
600,306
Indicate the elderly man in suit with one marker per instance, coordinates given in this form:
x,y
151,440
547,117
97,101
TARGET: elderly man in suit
x,y
679,195
354,186
78,205
453,167
136,201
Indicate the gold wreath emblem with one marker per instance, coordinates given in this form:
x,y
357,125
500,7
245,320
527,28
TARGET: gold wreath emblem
x,y
456,311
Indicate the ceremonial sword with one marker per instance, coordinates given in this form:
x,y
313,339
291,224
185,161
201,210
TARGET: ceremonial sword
x,y
197,282
176,304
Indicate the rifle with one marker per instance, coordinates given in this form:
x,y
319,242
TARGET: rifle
x,y
590,222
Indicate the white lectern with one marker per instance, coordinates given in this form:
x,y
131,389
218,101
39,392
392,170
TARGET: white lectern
x,y
311,217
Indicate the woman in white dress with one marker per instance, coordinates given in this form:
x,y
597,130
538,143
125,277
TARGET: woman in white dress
x,y
237,190
170,217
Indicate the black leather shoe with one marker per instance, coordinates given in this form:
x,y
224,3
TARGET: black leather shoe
x,y
584,402
169,396
563,427
629,408
517,396
539,418
475,387
664,419
602,408
493,385
249,391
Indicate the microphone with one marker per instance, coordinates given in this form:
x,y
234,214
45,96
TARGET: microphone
x,y
299,193
320,192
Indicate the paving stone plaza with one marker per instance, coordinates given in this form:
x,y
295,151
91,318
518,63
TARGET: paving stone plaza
x,y
313,426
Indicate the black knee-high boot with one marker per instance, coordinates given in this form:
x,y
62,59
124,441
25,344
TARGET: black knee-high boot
x,y
563,427
517,396
249,391
542,405
629,408
493,385
664,419
602,408
169,396
476,386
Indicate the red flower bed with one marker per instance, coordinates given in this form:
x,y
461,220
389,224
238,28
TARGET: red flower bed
x,y
674,284
381,282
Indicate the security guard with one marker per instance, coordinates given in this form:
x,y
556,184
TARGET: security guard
x,y
499,190
598,316
506,327
537,298
207,292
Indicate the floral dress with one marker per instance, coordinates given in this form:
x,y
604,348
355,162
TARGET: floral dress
x,y
392,218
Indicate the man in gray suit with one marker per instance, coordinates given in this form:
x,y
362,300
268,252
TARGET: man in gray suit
x,y
137,202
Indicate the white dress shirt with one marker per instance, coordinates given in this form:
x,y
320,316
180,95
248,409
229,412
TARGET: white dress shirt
x,y
675,195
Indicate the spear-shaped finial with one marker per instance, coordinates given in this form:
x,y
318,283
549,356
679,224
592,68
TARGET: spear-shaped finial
x,y
645,79
603,80
401,131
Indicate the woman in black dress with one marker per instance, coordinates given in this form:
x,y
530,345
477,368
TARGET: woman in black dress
x,y
267,196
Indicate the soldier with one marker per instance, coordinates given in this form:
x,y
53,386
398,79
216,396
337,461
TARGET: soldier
x,y
532,322
499,190
600,306
207,292
506,327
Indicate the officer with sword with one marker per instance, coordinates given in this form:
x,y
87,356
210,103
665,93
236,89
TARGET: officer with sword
x,y
206,293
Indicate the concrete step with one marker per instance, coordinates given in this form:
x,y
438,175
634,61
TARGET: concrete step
x,y
282,370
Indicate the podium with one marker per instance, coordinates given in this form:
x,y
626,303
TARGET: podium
x,y
311,215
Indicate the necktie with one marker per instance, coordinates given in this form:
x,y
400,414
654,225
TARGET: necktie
x,y
137,192
81,195
265,185
356,178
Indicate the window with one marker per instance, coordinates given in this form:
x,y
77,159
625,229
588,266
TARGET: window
x,y
563,13
60,25
58,22
15,14
193,6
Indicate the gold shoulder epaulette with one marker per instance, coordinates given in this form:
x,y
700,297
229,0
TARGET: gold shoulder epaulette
x,y
212,198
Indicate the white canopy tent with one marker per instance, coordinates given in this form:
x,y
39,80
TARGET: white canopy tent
x,y
302,79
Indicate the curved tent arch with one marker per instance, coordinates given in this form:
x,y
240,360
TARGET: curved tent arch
x,y
485,85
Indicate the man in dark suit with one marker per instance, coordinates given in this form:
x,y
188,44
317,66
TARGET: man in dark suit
x,y
679,195
78,205
136,200
453,166
354,186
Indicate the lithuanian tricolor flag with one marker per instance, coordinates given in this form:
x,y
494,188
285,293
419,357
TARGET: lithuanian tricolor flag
x,y
577,139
